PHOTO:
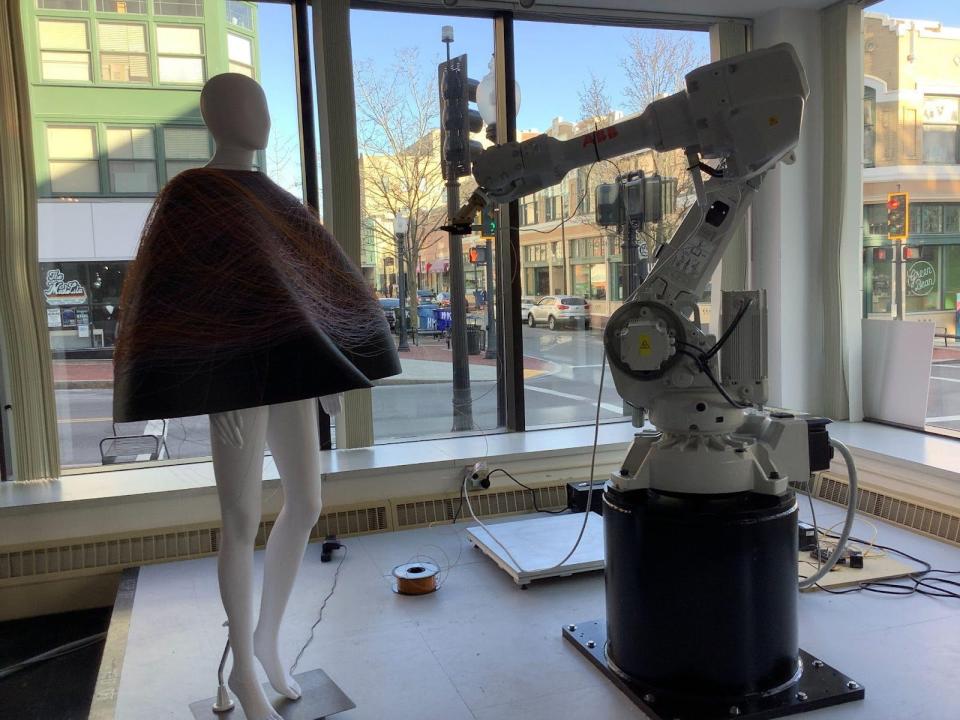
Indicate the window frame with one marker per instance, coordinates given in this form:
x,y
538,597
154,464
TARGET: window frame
x,y
48,182
252,67
73,18
157,13
162,144
158,54
146,54
152,128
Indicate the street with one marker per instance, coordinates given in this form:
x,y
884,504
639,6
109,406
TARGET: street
x,y
560,389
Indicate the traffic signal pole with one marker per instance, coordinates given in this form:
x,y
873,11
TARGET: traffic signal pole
x,y
491,321
462,400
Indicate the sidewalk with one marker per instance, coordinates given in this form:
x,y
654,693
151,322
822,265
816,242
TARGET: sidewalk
x,y
430,362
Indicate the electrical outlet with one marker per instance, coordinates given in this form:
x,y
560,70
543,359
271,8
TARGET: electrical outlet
x,y
477,476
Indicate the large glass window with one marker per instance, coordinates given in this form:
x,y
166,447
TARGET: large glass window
x,y
917,152
72,159
103,153
180,54
613,74
123,52
64,50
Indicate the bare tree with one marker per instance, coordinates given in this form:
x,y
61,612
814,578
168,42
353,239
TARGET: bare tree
x,y
595,100
282,151
397,121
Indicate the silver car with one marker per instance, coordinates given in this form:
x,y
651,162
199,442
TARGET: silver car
x,y
555,310
526,303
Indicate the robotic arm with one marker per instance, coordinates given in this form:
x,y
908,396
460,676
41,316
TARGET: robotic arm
x,y
744,113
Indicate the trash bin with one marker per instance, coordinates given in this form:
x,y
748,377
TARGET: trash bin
x,y
473,340
428,322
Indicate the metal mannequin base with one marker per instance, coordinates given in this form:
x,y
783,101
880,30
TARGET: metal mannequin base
x,y
819,686
321,698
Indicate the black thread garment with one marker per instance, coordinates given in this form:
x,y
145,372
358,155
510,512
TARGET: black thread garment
x,y
239,297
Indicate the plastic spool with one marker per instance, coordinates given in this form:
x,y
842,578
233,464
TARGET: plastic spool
x,y
418,578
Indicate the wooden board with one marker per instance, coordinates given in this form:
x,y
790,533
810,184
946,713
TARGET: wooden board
x,y
874,568
540,543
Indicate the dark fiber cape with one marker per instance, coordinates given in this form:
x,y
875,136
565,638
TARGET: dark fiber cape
x,y
239,297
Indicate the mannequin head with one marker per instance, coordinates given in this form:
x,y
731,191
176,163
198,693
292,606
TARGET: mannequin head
x,y
234,108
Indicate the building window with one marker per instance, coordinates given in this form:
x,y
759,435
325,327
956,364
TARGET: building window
x,y
185,8
240,14
185,148
62,4
72,158
590,281
180,54
125,7
64,50
875,219
240,54
132,160
530,214
869,126
951,219
123,53
941,118
931,219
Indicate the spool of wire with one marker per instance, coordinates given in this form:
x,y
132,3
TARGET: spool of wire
x,y
417,578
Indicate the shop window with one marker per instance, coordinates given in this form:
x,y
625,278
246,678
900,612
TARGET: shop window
x,y
240,54
931,219
132,160
72,160
123,6
62,4
240,14
185,8
951,277
923,279
951,219
180,54
941,117
64,50
123,53
875,219
185,148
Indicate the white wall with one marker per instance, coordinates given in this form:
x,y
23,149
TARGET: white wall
x,y
786,231
90,229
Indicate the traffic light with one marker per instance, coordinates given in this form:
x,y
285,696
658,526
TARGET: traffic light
x,y
478,255
488,222
457,118
898,215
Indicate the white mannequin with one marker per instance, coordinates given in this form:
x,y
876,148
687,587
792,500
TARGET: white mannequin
x,y
234,108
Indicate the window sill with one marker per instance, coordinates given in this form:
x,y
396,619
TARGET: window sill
x,y
100,486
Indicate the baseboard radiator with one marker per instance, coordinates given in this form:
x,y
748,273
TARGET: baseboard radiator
x,y
899,510
99,559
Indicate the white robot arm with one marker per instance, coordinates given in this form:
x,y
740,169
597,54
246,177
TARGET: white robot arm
x,y
744,113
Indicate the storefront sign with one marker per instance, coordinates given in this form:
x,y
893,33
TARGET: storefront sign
x,y
59,291
83,322
921,278
53,318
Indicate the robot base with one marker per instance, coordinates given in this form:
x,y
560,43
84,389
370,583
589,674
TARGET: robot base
x,y
819,686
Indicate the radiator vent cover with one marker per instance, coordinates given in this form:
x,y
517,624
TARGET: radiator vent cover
x,y
116,553
926,520
504,502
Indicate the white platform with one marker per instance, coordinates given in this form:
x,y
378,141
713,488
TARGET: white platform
x,y
539,543
480,650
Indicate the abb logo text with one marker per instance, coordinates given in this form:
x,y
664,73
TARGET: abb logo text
x,y
601,135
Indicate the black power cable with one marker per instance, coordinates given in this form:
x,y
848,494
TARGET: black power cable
x,y
530,490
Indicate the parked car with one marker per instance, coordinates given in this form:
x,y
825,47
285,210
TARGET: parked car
x,y
556,310
526,303
426,295
389,305
442,299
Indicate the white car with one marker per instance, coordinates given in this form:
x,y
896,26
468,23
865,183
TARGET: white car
x,y
555,310
526,302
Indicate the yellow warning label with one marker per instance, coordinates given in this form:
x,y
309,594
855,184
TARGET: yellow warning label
x,y
645,347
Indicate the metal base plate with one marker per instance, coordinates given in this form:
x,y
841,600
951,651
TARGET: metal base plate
x,y
321,698
819,686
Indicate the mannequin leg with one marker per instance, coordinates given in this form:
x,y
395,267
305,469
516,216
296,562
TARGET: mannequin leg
x,y
239,471
294,441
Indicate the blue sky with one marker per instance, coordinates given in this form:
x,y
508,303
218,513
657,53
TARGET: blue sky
x,y
553,60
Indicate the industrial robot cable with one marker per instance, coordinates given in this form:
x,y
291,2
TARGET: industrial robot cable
x,y
587,513
848,521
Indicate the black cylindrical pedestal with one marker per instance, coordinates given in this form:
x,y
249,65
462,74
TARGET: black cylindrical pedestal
x,y
702,591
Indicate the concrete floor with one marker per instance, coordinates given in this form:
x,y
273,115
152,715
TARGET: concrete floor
x,y
481,648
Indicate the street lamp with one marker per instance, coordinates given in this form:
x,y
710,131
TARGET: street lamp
x,y
401,224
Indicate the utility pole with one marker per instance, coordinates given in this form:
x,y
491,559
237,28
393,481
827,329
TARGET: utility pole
x,y
491,321
400,225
